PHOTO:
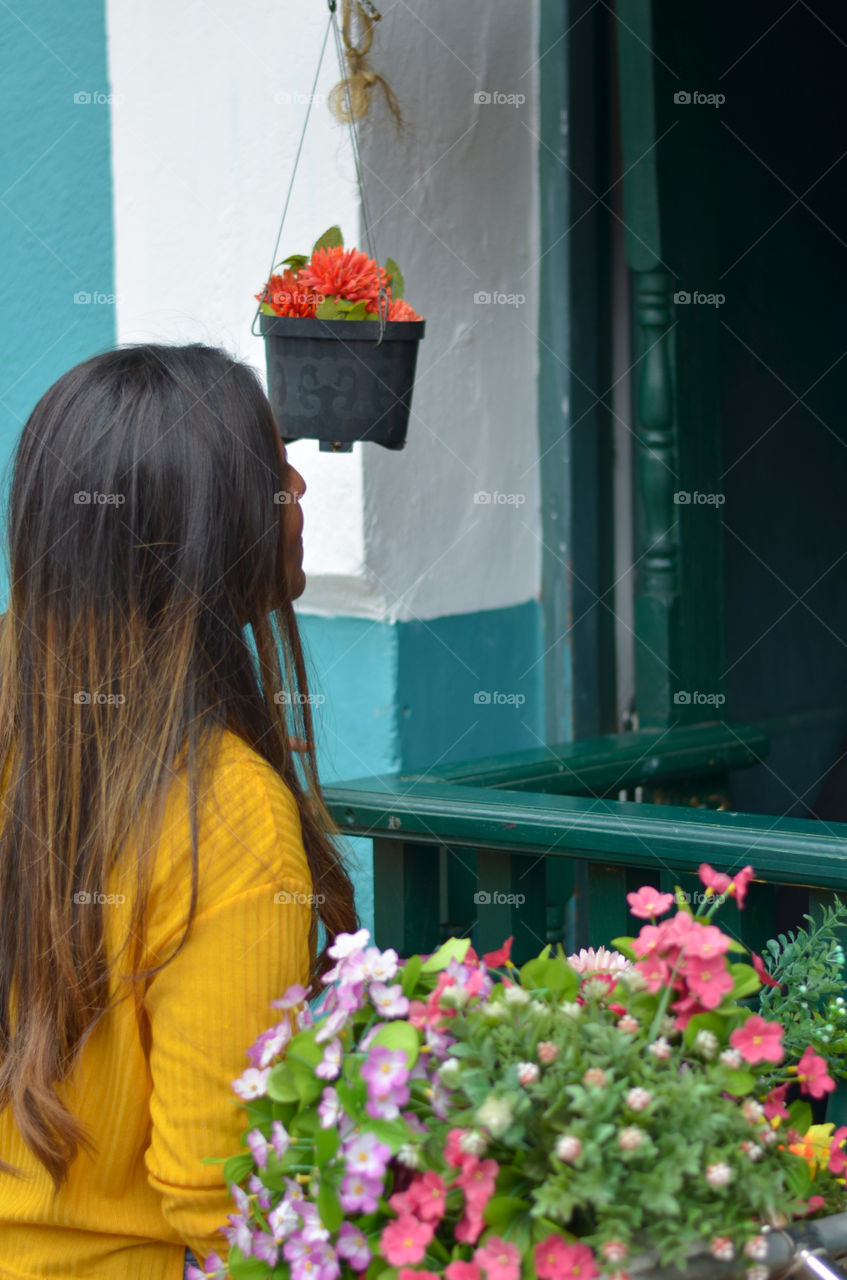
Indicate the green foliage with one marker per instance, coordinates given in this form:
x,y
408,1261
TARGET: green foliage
x,y
331,239
809,965
398,284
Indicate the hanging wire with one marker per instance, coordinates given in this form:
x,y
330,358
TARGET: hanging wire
x,y
382,302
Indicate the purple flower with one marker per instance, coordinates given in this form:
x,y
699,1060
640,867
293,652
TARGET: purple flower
x,y
293,996
265,1248
258,1145
311,1261
381,965
330,1027
389,1002
388,1108
346,943
260,1191
242,1200
367,1156
252,1083
238,1232
353,1247
283,1220
269,1044
330,1065
329,1108
359,1195
384,1071
314,1231
280,1139
214,1268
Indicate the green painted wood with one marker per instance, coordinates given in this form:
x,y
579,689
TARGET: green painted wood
x,y
511,902
459,884
574,368
669,150
594,765
407,909
644,836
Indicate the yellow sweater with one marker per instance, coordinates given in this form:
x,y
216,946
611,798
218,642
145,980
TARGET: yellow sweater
x,y
129,1212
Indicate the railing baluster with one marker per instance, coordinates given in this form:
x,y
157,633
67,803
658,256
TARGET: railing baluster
x,y
407,898
511,901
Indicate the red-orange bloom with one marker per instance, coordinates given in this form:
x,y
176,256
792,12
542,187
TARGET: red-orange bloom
x,y
398,309
288,295
344,273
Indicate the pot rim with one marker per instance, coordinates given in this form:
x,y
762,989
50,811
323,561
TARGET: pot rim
x,y
347,330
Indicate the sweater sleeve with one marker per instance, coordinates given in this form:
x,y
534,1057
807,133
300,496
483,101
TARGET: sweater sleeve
x,y
207,1006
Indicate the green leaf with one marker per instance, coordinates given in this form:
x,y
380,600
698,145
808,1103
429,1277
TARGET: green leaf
x,y
738,1083
411,973
331,239
329,1207
746,981
266,309
326,1145
399,1035
305,1048
295,261
281,1084
376,1267
394,1133
502,1211
241,1268
452,949
553,974
236,1168
350,1098
358,310
704,1022
800,1115
398,284
329,309
624,945
682,902
798,1175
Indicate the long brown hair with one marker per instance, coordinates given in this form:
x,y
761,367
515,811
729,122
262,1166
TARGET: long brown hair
x,y
144,537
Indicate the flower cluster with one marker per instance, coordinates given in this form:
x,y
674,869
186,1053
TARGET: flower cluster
x,y
335,284
456,1116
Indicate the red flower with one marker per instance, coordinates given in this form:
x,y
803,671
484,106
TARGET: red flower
x,y
837,1156
812,1074
398,309
495,959
716,881
775,1103
761,971
345,273
289,296
405,1240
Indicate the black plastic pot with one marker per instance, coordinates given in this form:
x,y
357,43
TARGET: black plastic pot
x,y
329,381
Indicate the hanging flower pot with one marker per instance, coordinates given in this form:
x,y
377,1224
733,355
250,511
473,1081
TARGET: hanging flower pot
x,y
341,346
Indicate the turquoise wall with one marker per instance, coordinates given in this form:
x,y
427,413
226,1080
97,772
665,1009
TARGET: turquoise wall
x,y
55,202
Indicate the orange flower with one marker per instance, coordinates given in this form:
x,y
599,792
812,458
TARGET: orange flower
x,y
288,295
344,273
400,310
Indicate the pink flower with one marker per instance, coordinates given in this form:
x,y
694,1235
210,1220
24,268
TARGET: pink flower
x,y
654,971
412,1273
258,1145
648,902
812,1074
470,1228
837,1157
758,1040
293,996
527,1073
567,1148
548,1052
497,959
709,980
719,1175
722,1248
739,884
638,1099
660,1048
706,942
628,1023
614,1251
454,1152
458,1271
713,880
595,1078
602,960
555,1259
353,1247
359,1195
761,972
405,1240
477,1180
426,1197
501,1260
630,1138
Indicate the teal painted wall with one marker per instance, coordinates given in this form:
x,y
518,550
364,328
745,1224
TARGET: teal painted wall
x,y
55,203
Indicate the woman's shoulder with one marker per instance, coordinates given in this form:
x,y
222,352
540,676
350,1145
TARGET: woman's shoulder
x,y
248,829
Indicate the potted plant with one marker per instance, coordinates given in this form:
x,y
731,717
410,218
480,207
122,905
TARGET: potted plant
x,y
341,347
590,1115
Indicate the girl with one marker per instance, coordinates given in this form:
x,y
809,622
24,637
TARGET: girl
x,y
164,856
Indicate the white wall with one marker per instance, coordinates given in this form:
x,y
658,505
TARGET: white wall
x,y
210,100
